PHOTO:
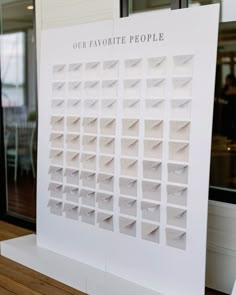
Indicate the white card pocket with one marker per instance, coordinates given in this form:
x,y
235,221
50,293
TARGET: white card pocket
x,y
153,128
152,170
176,238
111,68
55,207
181,108
58,89
150,211
179,130
177,195
183,65
128,187
71,211
108,126
106,164
72,193
87,197
105,221
91,107
127,226
151,190
106,182
75,71
73,124
150,232
56,190
157,66
105,201
56,173
56,157
73,141
59,72
88,179
154,108
132,88
182,87
128,206
110,88
176,217
88,161
92,88
131,107
179,151
133,67
57,140
75,89
89,143
58,106
87,215
74,106
153,149
130,127
129,167
72,159
107,145
129,147
57,123
72,176
178,173
109,107
90,125
155,88
92,70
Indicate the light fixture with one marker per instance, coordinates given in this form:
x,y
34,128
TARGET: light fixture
x,y
30,7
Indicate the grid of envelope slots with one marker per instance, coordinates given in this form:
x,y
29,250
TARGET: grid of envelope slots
x,y
83,150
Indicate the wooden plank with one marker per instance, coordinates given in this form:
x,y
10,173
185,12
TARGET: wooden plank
x,y
4,291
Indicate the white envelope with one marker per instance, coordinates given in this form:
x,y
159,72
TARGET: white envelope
x,y
88,161
73,124
128,206
130,127
55,207
150,232
107,145
58,106
87,215
89,143
87,197
75,89
133,67
57,123
109,88
91,107
153,128
131,107
129,167
106,182
178,173
153,148
57,140
59,72
56,190
73,141
72,193
177,217
127,226
56,173
181,108
150,211
177,195
105,201
71,211
176,238
92,70
92,89
90,125
182,87
74,106
183,65
105,221
75,71
154,107
179,151
152,170
88,179
151,190
72,176
180,130
72,159
155,88
157,66
106,164
129,147
128,187
132,88
110,69
56,157
108,126
109,107
58,89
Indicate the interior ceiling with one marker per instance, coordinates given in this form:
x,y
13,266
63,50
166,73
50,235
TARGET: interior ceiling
x,y
16,16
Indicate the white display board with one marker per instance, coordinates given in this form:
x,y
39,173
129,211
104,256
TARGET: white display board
x,y
125,116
